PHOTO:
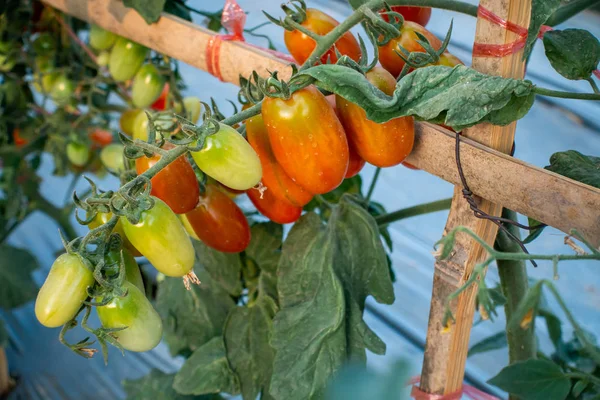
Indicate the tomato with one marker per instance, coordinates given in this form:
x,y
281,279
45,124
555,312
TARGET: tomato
x,y
307,139
143,327
147,85
126,58
8,57
229,159
140,126
420,15
132,270
18,139
301,46
192,108
161,238
126,122
410,166
219,222
100,137
188,227
160,104
449,60
103,58
112,158
231,193
44,75
64,290
274,177
44,45
382,145
62,90
102,218
78,154
408,40
176,184
277,210
101,39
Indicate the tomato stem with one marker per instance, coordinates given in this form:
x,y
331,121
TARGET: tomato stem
x,y
372,186
567,95
450,5
414,211
569,10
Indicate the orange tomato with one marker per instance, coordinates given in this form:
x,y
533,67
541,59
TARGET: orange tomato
x,y
18,139
355,162
101,138
277,210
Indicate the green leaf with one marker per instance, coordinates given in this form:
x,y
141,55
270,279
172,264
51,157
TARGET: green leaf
x,y
157,386
177,9
150,10
553,325
541,10
191,318
3,335
18,287
533,380
579,387
250,355
535,233
224,268
264,247
206,371
529,304
573,53
458,97
494,342
574,165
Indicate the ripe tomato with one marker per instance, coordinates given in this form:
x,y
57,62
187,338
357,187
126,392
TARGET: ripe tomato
x,y
382,145
112,158
219,222
101,137
277,210
274,177
160,104
147,85
407,39
192,108
307,139
143,327
78,154
132,270
62,90
126,58
101,39
229,159
18,139
64,290
102,218
161,238
420,15
176,184
410,166
301,46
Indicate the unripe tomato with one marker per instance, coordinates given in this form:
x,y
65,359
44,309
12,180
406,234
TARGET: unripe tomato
x,y
44,45
112,158
219,222
277,210
143,327
161,103
127,120
8,57
231,193
274,177
103,58
44,77
78,154
307,139
301,46
140,126
62,90
420,15
176,184
229,159
382,145
101,39
188,227
102,218
192,108
126,58
407,39
64,290
161,238
132,270
147,85
101,137
449,60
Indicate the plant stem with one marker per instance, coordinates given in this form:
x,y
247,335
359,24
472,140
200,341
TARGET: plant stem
x,y
514,283
568,10
450,5
372,186
593,85
414,211
566,95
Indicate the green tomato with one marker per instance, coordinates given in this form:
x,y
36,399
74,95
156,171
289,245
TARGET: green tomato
x,y
188,227
112,157
161,238
8,58
147,86
143,327
101,39
103,58
103,218
44,45
64,290
126,58
132,270
62,90
228,158
78,154
140,126
192,108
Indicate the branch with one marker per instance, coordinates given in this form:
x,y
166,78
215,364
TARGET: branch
x,y
414,211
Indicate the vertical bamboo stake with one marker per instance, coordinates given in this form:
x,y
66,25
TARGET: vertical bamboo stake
x,y
446,353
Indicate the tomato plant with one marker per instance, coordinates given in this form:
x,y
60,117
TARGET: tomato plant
x,y
62,90
102,218
112,158
126,58
277,210
132,270
101,39
147,86
78,154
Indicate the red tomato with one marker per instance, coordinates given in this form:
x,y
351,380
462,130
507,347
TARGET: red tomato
x,y
219,222
18,139
101,138
161,103
274,177
382,145
410,166
307,139
277,210
420,15
176,184
408,40
301,46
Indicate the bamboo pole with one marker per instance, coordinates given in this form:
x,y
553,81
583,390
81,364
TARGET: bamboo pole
x,y
446,353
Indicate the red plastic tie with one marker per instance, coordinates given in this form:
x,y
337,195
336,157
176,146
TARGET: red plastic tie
x,y
499,50
469,391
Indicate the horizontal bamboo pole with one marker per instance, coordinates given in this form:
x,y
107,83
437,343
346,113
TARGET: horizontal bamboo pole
x,y
555,200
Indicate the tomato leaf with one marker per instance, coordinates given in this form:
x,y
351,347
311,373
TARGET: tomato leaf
x,y
553,325
533,234
177,9
573,53
191,318
494,342
150,10
533,380
574,165
206,371
527,309
224,268
541,10
264,247
459,97
157,385
18,286
3,334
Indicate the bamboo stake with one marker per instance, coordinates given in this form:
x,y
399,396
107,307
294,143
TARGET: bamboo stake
x,y
446,353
